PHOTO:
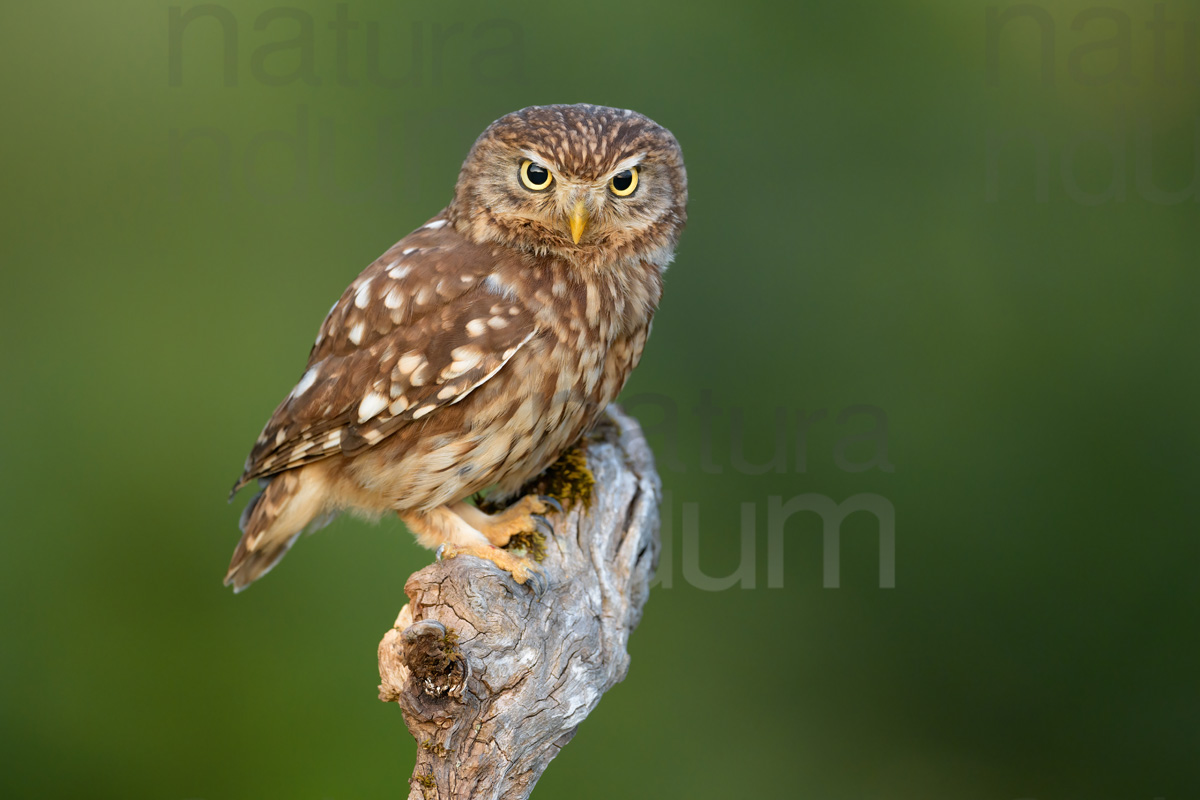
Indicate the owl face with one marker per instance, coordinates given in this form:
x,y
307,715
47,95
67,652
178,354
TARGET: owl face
x,y
585,183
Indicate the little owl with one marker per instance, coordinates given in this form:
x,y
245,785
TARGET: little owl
x,y
481,345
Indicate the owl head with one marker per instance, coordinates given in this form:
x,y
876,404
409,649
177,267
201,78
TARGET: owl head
x,y
588,184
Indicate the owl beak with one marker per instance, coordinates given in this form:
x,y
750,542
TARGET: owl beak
x,y
578,219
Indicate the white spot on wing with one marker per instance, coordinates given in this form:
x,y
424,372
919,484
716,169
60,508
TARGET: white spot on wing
x,y
363,295
437,223
356,333
306,382
464,358
507,355
371,405
409,362
497,286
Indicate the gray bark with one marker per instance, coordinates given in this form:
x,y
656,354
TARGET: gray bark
x,y
491,704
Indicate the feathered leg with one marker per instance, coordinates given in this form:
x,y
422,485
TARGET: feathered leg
x,y
446,529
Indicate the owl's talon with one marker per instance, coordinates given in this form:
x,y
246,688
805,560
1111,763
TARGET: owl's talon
x,y
542,524
538,582
534,576
550,501
440,553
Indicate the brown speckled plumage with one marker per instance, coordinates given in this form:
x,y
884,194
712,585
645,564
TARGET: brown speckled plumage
x,y
480,346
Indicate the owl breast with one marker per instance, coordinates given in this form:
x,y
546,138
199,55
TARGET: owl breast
x,y
517,423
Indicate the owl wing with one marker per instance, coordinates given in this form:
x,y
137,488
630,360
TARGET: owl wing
x,y
418,330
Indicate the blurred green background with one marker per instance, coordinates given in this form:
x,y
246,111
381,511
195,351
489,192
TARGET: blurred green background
x,y
990,256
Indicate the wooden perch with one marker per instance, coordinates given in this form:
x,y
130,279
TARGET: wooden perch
x,y
492,680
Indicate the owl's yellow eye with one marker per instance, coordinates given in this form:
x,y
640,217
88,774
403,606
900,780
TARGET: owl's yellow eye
x,y
624,182
535,176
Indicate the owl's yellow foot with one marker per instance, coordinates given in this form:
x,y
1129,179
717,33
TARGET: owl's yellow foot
x,y
524,570
523,516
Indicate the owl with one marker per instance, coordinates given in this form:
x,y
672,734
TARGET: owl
x,y
480,346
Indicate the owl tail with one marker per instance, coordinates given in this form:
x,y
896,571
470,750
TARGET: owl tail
x,y
271,522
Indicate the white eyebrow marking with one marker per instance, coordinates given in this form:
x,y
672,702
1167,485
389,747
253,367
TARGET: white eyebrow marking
x,y
632,161
545,161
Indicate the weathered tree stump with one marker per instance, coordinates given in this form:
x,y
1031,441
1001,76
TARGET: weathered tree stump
x,y
494,680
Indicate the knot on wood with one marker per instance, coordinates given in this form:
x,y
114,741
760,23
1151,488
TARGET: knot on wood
x,y
430,651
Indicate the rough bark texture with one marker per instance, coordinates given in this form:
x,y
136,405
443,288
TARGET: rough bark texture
x,y
493,680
